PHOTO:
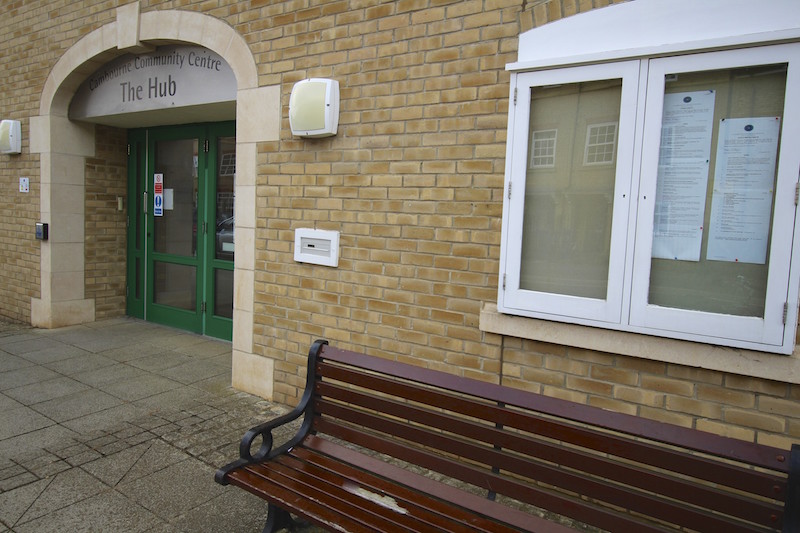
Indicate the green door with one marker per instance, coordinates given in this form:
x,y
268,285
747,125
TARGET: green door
x,y
180,226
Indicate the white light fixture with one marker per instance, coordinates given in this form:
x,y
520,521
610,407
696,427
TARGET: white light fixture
x,y
10,137
314,108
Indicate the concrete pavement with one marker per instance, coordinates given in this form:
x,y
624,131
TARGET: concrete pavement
x,y
119,426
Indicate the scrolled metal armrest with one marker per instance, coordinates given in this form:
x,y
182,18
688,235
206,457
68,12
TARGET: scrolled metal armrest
x,y
265,450
265,431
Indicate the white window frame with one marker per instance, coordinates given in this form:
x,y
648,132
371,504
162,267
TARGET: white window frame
x,y
750,332
625,307
515,300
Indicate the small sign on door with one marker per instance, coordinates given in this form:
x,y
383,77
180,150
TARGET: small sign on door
x,y
158,195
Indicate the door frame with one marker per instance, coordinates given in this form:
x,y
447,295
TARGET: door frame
x,y
140,249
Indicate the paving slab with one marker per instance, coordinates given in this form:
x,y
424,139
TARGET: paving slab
x,y
77,405
157,493
19,421
106,511
25,376
53,353
119,426
49,390
139,387
63,490
12,362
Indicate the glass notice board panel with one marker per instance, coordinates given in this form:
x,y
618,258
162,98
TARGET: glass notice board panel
x,y
715,190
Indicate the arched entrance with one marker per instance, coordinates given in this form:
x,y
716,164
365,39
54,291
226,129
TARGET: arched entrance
x,y
64,146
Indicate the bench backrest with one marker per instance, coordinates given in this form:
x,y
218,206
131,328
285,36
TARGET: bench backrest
x,y
610,470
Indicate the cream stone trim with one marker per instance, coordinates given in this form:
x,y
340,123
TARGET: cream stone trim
x,y
782,368
253,374
53,136
128,27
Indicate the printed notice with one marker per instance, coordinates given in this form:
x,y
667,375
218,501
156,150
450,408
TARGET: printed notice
x,y
158,195
744,180
682,183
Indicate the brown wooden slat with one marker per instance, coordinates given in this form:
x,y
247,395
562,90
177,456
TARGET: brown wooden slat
x,y
558,503
553,475
352,508
296,502
447,493
320,482
751,453
557,455
420,506
607,468
745,479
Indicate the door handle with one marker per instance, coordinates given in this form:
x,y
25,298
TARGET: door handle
x,y
144,202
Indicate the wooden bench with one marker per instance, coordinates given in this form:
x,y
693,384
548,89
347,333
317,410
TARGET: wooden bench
x,y
385,446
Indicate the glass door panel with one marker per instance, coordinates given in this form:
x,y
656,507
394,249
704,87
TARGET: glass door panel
x,y
181,226
175,225
175,185
222,175
175,285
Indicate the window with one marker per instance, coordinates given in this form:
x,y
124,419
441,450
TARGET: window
x,y
601,143
543,148
667,207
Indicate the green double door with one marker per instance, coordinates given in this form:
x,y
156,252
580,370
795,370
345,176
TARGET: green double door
x,y
181,226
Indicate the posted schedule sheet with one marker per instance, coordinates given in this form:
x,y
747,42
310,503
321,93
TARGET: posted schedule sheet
x,y
744,178
683,166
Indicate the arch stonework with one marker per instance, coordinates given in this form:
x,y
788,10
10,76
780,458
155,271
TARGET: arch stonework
x,y
64,145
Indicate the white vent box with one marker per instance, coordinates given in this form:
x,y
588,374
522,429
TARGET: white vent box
x,y
10,137
316,246
314,108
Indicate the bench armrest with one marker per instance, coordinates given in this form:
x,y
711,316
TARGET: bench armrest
x,y
265,451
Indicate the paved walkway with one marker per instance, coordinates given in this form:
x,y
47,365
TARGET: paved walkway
x,y
119,426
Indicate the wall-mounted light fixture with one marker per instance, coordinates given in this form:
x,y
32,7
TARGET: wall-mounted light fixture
x,y
314,108
10,137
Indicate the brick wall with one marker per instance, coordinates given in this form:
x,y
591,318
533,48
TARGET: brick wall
x,y
745,408
33,36
413,181
105,249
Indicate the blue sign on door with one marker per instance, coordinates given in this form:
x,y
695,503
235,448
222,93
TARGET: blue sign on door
x,y
158,195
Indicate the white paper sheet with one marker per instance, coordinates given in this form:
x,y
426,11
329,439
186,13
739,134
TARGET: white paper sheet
x,y
744,179
682,182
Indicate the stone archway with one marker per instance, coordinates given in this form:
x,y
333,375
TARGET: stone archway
x,y
64,145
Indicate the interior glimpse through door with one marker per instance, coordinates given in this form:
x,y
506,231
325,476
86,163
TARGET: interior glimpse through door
x,y
181,226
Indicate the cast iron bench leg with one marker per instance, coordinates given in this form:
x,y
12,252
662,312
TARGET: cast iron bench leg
x,y
278,519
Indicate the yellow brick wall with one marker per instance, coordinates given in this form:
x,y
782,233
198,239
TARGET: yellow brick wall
x,y
105,248
33,36
745,408
413,181
21,48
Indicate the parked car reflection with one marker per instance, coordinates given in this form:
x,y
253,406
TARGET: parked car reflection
x,y
224,248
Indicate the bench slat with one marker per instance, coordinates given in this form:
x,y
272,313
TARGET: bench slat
x,y
480,477
536,472
378,435
602,467
447,493
751,453
350,508
738,477
322,485
761,483
428,511
288,498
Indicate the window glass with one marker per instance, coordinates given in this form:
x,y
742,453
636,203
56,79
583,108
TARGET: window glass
x,y
569,188
225,220
715,191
